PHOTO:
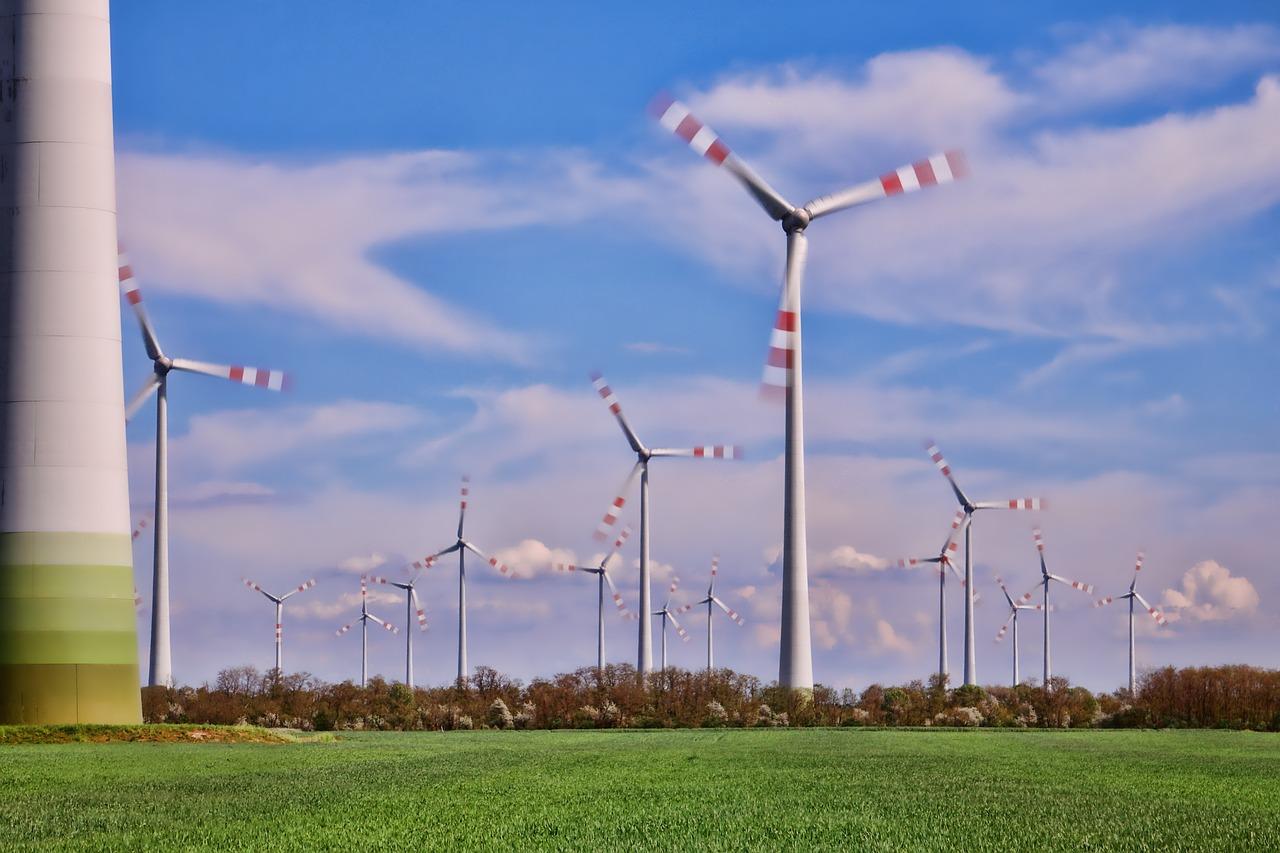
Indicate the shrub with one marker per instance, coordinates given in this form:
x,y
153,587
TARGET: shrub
x,y
499,717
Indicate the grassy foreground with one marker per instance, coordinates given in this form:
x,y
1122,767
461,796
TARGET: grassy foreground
x,y
729,790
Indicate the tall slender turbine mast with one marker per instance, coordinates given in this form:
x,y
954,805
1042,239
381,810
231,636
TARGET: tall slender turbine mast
x,y
711,601
364,619
1133,595
161,664
969,507
279,602
644,657
1045,577
665,613
462,546
68,633
944,561
783,371
601,570
412,610
1014,607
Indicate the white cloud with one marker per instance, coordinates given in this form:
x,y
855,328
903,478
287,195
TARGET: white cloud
x,y
1209,593
297,237
1124,62
532,557
362,564
848,558
889,640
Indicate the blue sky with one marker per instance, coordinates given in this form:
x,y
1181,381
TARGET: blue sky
x,y
442,220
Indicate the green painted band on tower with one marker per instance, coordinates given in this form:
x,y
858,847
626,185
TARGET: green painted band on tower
x,y
63,549
68,629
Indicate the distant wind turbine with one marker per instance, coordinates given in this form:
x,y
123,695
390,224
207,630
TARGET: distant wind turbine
x,y
601,570
944,561
1014,607
969,507
712,601
666,614
644,662
412,609
1133,595
1045,577
462,546
364,619
279,601
161,661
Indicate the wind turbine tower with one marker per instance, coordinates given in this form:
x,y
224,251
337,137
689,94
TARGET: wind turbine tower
x,y
712,601
279,601
969,507
665,613
644,454
782,373
68,635
602,572
1133,595
413,608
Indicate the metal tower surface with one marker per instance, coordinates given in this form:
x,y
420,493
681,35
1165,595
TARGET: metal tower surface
x,y
68,642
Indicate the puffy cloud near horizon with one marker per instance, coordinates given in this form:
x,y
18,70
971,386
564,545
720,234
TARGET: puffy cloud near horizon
x,y
1210,593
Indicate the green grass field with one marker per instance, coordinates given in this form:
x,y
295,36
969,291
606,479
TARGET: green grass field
x,y
729,790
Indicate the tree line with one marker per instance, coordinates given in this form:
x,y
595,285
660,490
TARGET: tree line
x,y
1232,696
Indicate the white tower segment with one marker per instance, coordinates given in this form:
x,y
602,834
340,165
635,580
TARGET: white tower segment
x,y
68,648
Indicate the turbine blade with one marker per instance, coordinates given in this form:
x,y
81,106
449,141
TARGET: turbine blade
x,y
931,447
675,117
272,380
149,386
1103,602
1155,614
617,598
1013,503
493,561
611,400
1137,566
1004,629
141,526
345,628
1086,588
733,614
615,506
684,635
709,451
392,628
133,295
462,502
419,609
939,169
779,366
617,546
300,588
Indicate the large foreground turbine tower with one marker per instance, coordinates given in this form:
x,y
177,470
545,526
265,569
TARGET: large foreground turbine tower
x,y
68,640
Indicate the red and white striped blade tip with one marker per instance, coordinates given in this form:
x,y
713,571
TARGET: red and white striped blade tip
x,y
677,118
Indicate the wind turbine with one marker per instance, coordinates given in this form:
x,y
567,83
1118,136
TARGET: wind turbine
x,y
944,560
782,373
364,619
161,661
1045,577
1014,607
462,546
412,607
643,454
1133,595
969,507
711,600
279,602
602,571
666,614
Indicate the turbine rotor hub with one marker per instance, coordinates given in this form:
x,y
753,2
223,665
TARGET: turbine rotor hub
x,y
797,220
